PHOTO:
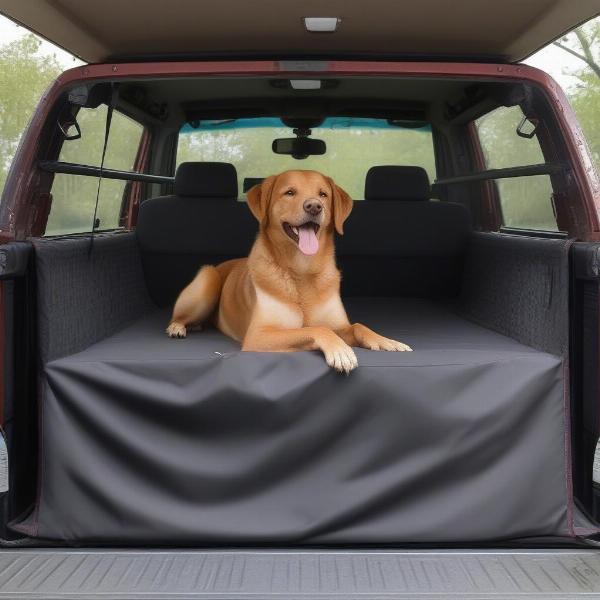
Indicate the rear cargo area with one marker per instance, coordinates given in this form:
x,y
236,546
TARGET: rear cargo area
x,y
145,440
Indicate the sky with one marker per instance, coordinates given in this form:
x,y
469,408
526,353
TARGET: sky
x,y
553,60
9,32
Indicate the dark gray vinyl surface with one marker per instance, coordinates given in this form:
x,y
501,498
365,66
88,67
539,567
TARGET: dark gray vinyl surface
x,y
152,441
308,575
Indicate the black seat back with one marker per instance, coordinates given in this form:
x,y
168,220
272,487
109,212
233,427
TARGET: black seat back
x,y
202,223
398,242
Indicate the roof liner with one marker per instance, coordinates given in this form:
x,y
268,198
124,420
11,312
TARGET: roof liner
x,y
112,29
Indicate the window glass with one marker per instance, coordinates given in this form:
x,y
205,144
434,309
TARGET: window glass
x,y
526,202
501,145
74,196
353,146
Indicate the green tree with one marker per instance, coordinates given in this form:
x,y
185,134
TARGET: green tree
x,y
24,75
350,152
584,43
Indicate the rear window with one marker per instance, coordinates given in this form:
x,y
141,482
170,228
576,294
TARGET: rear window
x,y
353,146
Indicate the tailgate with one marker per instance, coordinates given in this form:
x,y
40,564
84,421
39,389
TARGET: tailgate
x,y
307,574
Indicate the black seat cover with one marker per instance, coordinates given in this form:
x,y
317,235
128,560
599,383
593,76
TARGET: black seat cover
x,y
250,182
206,180
202,223
397,183
406,245
397,242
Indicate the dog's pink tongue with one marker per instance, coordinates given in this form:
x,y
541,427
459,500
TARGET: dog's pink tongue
x,y
308,242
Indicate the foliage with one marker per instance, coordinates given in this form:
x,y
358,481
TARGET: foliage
x,y
350,152
24,75
584,43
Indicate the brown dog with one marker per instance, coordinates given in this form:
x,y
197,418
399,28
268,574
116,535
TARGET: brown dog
x,y
286,295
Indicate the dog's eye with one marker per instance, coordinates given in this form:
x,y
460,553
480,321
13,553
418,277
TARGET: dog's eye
x,y
290,192
323,194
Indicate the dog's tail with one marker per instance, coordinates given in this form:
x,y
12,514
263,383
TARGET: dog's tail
x,y
197,301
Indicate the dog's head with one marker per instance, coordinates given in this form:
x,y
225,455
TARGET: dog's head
x,y
300,208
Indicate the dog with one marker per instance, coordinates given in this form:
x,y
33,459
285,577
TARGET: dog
x,y
285,296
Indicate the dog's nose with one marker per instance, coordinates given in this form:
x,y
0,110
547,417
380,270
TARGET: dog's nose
x,y
313,207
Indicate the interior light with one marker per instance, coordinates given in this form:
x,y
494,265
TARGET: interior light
x,y
321,24
306,84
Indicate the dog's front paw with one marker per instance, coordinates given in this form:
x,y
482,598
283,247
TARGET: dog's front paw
x,y
374,341
341,357
176,330
389,345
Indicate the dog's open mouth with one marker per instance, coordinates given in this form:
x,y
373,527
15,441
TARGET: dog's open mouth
x,y
305,236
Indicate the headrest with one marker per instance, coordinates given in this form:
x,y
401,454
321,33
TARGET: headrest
x,y
250,182
206,180
397,183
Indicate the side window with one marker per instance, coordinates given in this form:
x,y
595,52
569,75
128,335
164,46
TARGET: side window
x,y
74,196
526,202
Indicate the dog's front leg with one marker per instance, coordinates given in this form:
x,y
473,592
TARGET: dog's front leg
x,y
338,354
196,301
363,337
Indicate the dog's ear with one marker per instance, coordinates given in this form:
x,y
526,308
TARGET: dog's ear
x,y
342,206
259,197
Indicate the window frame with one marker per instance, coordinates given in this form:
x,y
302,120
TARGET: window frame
x,y
519,171
26,182
131,196
566,196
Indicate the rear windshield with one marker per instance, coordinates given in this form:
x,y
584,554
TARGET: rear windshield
x,y
353,146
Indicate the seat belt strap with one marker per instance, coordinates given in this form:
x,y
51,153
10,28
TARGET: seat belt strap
x,y
109,113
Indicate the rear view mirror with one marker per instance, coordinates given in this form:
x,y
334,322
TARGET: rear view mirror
x,y
299,147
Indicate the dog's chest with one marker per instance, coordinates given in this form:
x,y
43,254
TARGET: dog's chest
x,y
327,311
308,301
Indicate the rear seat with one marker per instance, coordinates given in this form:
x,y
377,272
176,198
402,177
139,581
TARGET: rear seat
x,y
398,242
202,223
250,182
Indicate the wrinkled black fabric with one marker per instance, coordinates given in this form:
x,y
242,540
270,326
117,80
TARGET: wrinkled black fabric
x,y
152,440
